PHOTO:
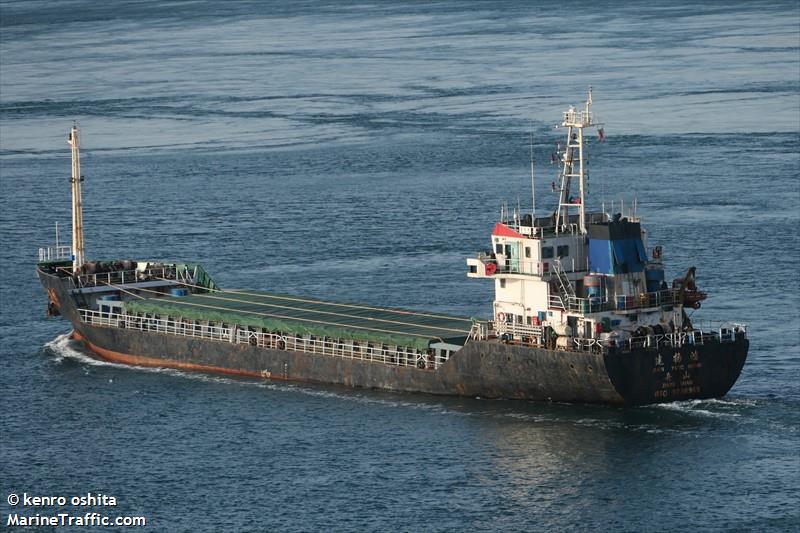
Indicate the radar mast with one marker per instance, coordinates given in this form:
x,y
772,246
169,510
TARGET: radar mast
x,y
574,160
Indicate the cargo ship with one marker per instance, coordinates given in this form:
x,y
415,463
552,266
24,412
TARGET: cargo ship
x,y
583,312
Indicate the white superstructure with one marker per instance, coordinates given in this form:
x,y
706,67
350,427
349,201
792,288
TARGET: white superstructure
x,y
578,274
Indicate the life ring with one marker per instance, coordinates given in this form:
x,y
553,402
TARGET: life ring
x,y
491,268
501,317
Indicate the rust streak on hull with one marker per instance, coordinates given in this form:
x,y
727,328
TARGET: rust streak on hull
x,y
138,360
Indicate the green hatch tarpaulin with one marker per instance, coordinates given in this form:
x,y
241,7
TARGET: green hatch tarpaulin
x,y
298,315
199,275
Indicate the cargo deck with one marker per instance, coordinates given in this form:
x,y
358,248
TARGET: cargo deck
x,y
310,316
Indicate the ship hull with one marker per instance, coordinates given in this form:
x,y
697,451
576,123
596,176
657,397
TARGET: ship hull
x,y
481,369
487,369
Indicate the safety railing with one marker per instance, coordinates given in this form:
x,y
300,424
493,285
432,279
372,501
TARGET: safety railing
x,y
573,117
55,253
518,330
478,331
541,268
587,305
556,302
648,300
727,333
722,327
547,227
535,336
336,347
127,276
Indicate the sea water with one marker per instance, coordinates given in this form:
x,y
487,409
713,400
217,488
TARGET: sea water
x,y
360,151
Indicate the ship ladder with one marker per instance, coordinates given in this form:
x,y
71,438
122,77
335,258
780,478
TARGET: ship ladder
x,y
567,291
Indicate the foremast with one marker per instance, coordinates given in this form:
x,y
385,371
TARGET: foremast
x,y
574,161
78,249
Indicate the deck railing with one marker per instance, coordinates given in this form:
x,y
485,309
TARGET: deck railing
x,y
55,253
128,276
724,334
345,348
478,330
518,330
593,305
399,355
533,336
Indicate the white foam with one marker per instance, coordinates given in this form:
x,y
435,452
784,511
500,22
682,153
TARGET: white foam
x,y
712,408
64,347
366,399
731,402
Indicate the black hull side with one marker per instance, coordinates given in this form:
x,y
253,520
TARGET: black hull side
x,y
666,374
487,369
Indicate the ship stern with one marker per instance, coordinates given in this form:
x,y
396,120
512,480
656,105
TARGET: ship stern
x,y
708,369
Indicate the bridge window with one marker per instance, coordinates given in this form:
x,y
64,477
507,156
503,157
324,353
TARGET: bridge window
x,y
547,252
528,252
498,248
502,283
563,251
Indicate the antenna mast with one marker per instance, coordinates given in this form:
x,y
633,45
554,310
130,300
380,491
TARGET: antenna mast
x,y
77,202
574,161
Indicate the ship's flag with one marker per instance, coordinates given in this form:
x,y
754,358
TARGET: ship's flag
x,y
601,134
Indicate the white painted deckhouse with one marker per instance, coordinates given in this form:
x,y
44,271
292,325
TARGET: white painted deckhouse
x,y
585,275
